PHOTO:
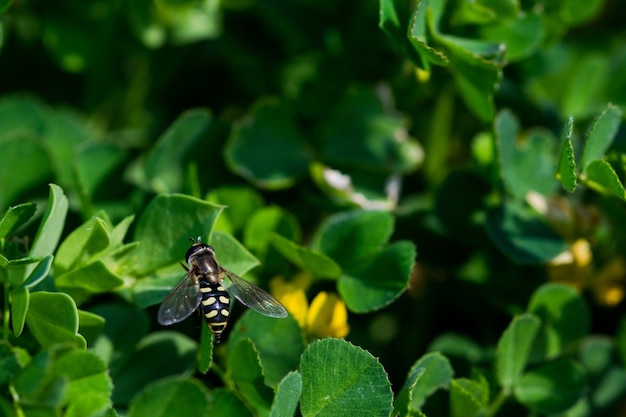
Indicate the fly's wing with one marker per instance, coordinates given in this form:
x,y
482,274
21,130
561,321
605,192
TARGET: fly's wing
x,y
254,297
181,302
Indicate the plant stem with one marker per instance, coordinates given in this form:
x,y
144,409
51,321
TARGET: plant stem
x,y
497,403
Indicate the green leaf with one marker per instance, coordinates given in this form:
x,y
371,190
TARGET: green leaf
x,y
88,383
514,348
83,244
521,36
164,230
364,290
36,384
566,170
51,225
90,326
164,166
173,352
429,374
527,163
93,278
606,376
205,351
586,85
601,176
20,298
52,318
468,398
231,254
40,272
277,359
15,217
9,363
244,369
338,376
124,327
564,315
600,135
179,396
318,264
241,203
93,164
287,395
522,235
267,148
351,237
226,404
552,388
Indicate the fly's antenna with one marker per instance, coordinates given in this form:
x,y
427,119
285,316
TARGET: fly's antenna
x,y
198,240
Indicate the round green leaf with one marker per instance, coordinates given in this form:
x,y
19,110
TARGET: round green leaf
x,y
267,148
52,318
338,376
429,374
171,397
380,280
279,342
552,388
564,315
514,348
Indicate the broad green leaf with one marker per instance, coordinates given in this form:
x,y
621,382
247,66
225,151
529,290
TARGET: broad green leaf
x,y
278,341
205,351
88,383
527,162
37,385
351,237
89,239
601,176
429,374
244,369
93,278
564,315
318,264
514,348
172,351
20,298
338,376
225,403
521,36
124,327
566,170
9,363
51,225
267,148
178,396
240,204
165,227
522,235
600,135
15,217
552,388
287,395
380,279
15,154
52,318
468,398
164,165
90,326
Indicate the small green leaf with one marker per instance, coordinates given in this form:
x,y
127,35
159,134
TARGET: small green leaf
x,y
514,348
205,351
318,264
564,315
552,388
244,369
225,403
52,318
601,176
468,398
601,134
37,386
39,273
231,254
521,36
287,396
267,148
240,202
338,376
172,351
179,396
402,404
589,78
89,239
566,170
429,374
15,217
93,278
164,230
90,326
364,290
277,359
350,237
522,235
20,298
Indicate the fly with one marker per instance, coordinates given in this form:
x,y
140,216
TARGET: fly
x,y
203,286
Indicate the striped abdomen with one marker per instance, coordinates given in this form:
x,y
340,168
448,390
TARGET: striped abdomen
x,y
215,306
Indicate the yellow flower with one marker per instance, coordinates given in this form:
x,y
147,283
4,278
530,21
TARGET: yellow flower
x,y
327,315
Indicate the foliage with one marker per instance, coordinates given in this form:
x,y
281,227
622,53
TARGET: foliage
x,y
434,190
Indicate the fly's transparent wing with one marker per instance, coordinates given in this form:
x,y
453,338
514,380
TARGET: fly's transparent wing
x,y
254,297
181,302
